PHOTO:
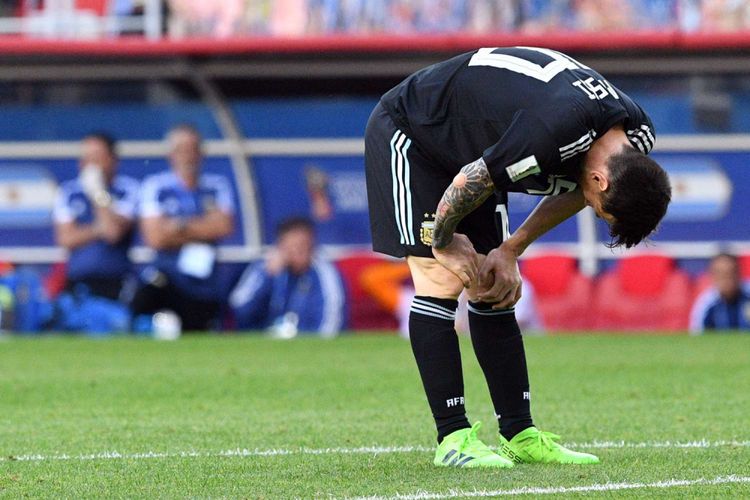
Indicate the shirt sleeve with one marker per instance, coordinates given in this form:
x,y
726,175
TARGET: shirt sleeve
x,y
332,309
250,298
525,149
638,126
61,213
224,197
536,146
126,205
699,313
149,198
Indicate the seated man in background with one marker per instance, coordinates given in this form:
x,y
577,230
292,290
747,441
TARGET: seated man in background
x,y
184,213
726,305
291,291
93,219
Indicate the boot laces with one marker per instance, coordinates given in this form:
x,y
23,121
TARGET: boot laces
x,y
547,440
472,443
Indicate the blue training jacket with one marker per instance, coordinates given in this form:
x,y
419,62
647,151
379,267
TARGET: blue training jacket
x,y
711,312
260,300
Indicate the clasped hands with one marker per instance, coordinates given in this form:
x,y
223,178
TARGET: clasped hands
x,y
494,279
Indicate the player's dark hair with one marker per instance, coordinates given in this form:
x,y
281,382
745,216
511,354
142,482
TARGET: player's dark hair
x,y
637,197
294,223
105,138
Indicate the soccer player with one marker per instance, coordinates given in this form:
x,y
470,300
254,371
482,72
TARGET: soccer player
x,y
442,150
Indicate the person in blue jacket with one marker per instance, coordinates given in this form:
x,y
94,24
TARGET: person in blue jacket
x,y
292,290
726,305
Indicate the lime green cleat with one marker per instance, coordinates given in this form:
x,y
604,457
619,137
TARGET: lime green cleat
x,y
463,448
533,446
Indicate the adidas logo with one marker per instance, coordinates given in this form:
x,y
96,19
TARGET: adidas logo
x,y
459,461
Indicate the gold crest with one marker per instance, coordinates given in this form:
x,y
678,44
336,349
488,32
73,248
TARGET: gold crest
x,y
426,229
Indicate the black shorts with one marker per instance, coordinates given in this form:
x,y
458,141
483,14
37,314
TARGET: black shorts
x,y
403,191
159,293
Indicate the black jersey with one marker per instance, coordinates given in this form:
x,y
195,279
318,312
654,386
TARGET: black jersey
x,y
530,112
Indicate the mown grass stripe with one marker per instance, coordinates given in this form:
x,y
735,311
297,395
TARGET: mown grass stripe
x,y
556,490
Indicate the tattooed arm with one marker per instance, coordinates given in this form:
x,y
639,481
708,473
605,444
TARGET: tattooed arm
x,y
471,186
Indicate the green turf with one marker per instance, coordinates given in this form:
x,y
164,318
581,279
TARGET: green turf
x,y
207,394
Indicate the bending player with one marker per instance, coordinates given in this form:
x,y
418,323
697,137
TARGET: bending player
x,y
483,124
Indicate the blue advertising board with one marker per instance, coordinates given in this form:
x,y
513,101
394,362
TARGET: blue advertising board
x,y
711,197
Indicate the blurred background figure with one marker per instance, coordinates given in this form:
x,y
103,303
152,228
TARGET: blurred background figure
x,y
94,216
184,213
198,17
726,305
293,290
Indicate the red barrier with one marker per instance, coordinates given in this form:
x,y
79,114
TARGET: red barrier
x,y
576,42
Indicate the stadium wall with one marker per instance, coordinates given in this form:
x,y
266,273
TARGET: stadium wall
x,y
712,189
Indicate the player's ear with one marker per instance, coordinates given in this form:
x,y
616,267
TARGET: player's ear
x,y
600,179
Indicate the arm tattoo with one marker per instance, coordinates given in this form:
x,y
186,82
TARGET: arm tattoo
x,y
463,196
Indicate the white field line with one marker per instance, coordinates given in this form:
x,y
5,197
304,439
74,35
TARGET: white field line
x,y
238,452
553,490
363,450
702,443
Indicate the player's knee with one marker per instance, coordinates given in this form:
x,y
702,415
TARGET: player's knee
x,y
431,279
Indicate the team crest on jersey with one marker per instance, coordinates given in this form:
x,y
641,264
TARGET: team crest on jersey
x,y
426,229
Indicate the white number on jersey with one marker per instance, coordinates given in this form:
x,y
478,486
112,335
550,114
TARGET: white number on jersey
x,y
560,62
596,89
555,187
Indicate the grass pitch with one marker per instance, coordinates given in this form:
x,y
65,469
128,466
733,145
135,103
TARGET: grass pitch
x,y
255,418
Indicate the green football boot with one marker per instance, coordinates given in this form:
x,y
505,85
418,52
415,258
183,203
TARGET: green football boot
x,y
533,446
463,448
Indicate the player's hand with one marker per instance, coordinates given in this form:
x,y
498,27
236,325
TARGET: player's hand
x,y
500,279
460,258
91,178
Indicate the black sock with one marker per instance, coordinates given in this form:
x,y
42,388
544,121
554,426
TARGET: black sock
x,y
498,345
435,345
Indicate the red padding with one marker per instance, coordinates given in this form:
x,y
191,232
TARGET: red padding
x,y
644,275
567,41
550,274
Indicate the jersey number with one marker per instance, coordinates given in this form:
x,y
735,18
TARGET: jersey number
x,y
555,187
560,62
596,89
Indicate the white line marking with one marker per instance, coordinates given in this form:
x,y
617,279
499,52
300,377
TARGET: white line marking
x,y
703,443
238,452
530,490
362,450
